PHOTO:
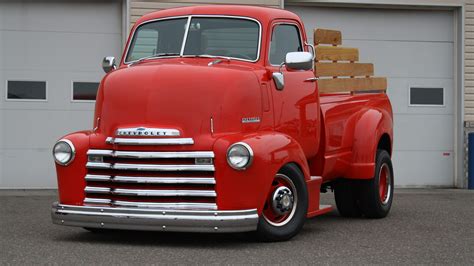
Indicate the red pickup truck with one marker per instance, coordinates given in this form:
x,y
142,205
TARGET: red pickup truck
x,y
213,122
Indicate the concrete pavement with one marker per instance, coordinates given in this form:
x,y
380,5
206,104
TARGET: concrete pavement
x,y
425,226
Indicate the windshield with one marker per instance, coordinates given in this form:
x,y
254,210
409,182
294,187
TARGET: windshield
x,y
236,38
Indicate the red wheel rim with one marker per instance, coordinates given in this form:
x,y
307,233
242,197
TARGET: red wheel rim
x,y
273,217
385,184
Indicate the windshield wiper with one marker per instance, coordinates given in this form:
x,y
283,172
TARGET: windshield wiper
x,y
219,58
211,56
151,57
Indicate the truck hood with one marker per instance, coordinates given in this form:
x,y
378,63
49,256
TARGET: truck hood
x,y
179,95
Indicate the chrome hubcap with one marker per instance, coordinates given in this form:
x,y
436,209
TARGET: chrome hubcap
x,y
385,184
282,200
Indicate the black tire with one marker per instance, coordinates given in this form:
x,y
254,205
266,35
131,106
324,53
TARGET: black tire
x,y
371,203
346,194
268,232
97,230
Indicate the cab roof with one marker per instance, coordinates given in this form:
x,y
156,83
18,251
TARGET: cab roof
x,y
262,14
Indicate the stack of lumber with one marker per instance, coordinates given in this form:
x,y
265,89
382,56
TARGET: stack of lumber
x,y
337,68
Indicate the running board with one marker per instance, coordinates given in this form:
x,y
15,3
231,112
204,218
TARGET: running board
x,y
323,209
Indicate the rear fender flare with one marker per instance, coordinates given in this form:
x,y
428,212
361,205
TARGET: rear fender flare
x,y
370,127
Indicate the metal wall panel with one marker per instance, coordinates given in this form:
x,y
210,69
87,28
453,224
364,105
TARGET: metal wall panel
x,y
139,8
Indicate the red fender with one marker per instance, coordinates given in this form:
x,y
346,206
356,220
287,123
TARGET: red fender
x,y
248,189
372,124
71,177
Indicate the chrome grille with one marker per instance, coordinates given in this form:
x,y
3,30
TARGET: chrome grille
x,y
130,141
146,179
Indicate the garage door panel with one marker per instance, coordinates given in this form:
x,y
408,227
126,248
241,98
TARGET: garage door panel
x,y
415,168
57,42
407,59
1,48
27,169
413,48
1,168
58,51
25,129
379,24
59,89
422,132
72,16
398,91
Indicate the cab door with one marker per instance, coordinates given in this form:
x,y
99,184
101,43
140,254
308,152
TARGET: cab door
x,y
296,106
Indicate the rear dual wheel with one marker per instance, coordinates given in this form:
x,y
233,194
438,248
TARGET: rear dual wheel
x,y
286,205
376,194
371,198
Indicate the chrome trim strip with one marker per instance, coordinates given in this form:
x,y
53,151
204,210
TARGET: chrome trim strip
x,y
164,141
165,205
156,205
98,190
96,201
92,165
150,192
152,167
163,167
168,155
152,155
152,180
99,178
100,152
165,180
164,193
154,219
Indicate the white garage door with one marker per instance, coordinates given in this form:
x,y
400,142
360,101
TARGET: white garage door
x,y
414,49
46,49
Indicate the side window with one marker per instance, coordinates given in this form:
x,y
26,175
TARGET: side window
x,y
285,39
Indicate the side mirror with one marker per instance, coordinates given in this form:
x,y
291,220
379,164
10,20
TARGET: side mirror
x,y
299,61
108,64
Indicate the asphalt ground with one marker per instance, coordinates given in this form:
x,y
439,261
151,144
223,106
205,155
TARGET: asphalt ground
x,y
425,226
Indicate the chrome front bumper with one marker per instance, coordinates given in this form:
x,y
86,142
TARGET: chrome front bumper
x,y
155,219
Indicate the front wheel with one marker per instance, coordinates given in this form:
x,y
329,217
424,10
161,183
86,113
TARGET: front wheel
x,y
285,208
97,230
377,193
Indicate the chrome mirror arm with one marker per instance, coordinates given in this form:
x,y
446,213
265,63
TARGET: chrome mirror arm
x,y
280,69
313,51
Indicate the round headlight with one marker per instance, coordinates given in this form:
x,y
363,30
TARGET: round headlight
x,y
239,156
64,152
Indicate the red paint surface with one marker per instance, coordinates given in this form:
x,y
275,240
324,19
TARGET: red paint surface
x,y
330,136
